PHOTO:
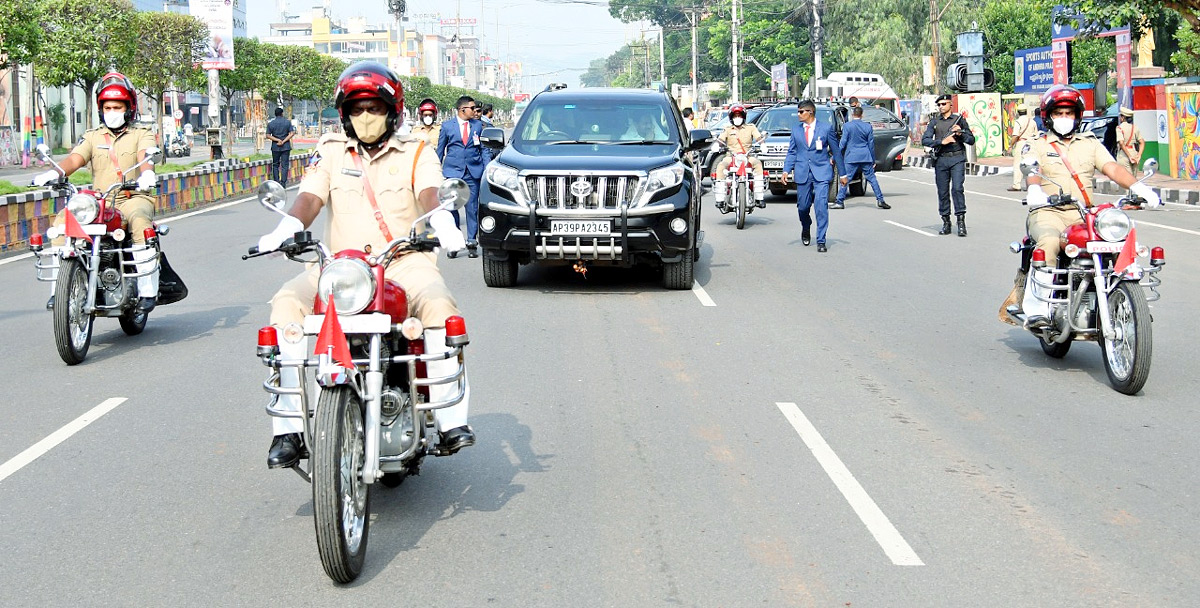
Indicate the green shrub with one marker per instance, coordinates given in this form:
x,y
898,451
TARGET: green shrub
x,y
7,187
82,177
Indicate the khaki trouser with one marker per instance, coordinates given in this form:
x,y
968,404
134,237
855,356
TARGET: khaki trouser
x,y
1046,226
1124,161
428,297
137,211
723,166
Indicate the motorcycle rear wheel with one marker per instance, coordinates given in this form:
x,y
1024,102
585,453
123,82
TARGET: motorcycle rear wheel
x,y
133,321
1055,350
341,501
1127,355
741,204
72,326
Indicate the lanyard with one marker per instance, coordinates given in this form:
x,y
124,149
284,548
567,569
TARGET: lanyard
x,y
370,192
1075,176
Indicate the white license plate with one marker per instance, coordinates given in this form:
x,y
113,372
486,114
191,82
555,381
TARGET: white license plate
x,y
580,227
371,323
772,164
1103,247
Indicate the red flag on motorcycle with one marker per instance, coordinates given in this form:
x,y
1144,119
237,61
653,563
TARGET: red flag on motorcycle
x,y
331,340
74,229
1128,252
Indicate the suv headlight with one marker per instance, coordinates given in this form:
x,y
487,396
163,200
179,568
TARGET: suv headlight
x,y
1113,225
84,207
667,177
350,282
502,176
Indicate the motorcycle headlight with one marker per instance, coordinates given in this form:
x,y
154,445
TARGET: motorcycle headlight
x,y
1113,225
84,206
351,284
667,177
502,176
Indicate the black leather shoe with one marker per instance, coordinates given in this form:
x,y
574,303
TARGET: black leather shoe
x,y
457,438
50,303
804,237
883,205
285,451
837,206
945,225
146,304
821,248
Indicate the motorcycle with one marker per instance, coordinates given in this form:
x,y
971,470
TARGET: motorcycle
x,y
95,273
1096,289
374,417
738,182
179,145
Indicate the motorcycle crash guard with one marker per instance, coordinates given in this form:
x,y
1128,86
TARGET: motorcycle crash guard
x,y
170,287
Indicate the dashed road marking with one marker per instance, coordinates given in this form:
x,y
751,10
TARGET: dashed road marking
x,y
702,295
15,463
917,230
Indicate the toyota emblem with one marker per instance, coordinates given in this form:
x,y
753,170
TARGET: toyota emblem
x,y
580,188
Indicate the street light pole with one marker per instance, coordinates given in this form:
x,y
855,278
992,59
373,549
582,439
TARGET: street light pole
x,y
733,54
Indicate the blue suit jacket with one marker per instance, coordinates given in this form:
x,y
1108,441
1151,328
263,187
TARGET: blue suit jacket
x,y
811,161
459,160
858,142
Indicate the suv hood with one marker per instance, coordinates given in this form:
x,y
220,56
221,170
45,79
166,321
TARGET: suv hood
x,y
586,157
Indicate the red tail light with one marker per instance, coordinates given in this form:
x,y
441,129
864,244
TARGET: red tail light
x,y
268,341
1157,256
35,241
1039,258
150,233
456,331
417,347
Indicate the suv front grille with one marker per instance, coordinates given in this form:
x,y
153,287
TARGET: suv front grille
x,y
603,191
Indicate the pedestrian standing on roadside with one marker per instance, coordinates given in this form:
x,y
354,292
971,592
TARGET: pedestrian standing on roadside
x,y
688,121
1130,143
811,148
1023,132
949,135
858,146
280,131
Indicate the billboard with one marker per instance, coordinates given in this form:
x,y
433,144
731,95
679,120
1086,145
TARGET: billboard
x,y
1033,70
218,16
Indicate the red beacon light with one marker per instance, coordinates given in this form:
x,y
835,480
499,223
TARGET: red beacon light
x,y
36,242
456,331
268,341
1039,258
150,234
1157,257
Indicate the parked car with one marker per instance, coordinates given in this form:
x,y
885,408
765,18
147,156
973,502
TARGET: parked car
x,y
1104,128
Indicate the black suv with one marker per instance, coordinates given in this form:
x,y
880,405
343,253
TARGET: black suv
x,y
891,139
593,176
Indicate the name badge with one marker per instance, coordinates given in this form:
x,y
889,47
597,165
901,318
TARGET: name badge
x,y
103,147
476,139
352,172
818,144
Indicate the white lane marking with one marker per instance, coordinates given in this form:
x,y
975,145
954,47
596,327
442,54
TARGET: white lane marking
x,y
877,523
173,218
702,295
917,230
33,452
1164,227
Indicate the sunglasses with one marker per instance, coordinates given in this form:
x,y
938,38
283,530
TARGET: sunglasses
x,y
804,111
469,108
943,103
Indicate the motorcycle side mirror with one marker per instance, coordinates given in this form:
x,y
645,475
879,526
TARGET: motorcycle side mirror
x,y
1029,166
153,151
1150,167
452,194
272,196
43,150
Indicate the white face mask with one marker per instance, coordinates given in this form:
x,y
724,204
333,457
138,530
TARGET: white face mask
x,y
1062,124
114,120
737,121
427,120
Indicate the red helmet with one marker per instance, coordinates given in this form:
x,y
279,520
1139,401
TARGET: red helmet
x,y
1061,96
737,109
114,86
427,105
370,80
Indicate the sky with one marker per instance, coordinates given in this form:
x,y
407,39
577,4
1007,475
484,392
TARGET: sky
x,y
555,40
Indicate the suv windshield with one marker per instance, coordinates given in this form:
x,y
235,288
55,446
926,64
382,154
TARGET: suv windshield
x,y
881,118
784,119
594,121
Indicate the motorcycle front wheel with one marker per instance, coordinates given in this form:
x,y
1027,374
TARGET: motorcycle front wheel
x,y
741,204
1127,354
72,326
341,501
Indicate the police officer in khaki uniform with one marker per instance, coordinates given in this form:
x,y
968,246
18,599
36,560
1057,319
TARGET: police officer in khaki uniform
x,y
1023,132
1130,143
428,129
739,137
109,152
1064,154
403,177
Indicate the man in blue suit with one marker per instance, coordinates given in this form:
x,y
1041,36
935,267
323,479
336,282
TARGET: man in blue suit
x,y
858,144
462,156
810,152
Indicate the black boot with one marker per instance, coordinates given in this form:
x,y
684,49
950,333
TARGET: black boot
x,y
285,451
962,224
945,225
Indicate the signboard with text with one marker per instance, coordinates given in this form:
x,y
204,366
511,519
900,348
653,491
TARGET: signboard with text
x,y
779,78
218,16
1033,69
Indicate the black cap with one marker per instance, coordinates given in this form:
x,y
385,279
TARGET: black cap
x,y
944,97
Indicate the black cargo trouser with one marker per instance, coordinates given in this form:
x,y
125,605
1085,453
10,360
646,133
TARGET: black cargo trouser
x,y
948,172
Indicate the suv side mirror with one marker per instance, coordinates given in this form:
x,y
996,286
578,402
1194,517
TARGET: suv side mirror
x,y
492,137
701,138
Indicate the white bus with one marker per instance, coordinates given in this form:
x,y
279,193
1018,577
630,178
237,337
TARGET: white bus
x,y
868,88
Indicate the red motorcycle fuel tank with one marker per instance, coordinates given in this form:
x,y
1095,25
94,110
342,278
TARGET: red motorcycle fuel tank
x,y
390,298
1077,235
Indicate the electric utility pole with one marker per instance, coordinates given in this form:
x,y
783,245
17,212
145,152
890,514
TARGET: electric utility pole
x,y
733,54
935,16
818,44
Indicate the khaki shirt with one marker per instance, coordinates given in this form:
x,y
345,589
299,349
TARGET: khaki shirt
x,y
1086,154
397,175
1129,141
1024,128
739,138
429,134
94,150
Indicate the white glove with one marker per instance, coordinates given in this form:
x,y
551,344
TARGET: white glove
x,y
1035,197
287,228
1144,191
41,179
448,235
147,180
